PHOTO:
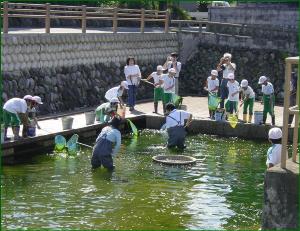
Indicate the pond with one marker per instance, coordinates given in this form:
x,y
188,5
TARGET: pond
x,y
224,190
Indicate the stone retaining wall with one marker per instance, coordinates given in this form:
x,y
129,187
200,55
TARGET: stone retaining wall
x,y
74,70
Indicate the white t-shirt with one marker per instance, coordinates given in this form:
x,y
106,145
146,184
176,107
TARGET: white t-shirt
x,y
228,69
177,67
212,84
176,118
168,83
267,89
232,88
274,154
15,105
132,70
156,78
114,92
248,92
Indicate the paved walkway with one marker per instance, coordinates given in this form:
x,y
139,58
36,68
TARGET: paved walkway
x,y
196,105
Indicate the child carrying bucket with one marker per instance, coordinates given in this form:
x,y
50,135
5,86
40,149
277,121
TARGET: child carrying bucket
x,y
248,97
212,86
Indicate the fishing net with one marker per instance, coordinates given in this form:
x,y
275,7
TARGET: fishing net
x,y
72,144
213,101
177,100
233,120
174,159
133,128
60,143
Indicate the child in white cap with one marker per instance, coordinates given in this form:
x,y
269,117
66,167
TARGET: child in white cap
x,y
233,94
268,98
169,87
158,82
274,152
36,100
117,92
212,86
248,97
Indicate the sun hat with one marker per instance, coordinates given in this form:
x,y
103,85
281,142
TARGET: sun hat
x,y
37,99
227,55
124,84
244,83
275,133
214,72
230,76
159,68
27,97
262,79
114,100
172,70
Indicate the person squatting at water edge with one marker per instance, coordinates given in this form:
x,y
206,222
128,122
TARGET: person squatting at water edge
x,y
133,76
248,97
14,113
173,63
233,95
158,82
226,67
31,112
117,92
106,111
212,86
103,151
175,120
169,87
274,152
268,98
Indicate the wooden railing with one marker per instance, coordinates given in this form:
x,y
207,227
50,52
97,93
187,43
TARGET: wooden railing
x,y
83,13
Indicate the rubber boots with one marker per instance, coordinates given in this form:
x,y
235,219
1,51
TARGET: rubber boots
x,y
155,108
250,119
245,118
16,131
5,135
273,120
264,119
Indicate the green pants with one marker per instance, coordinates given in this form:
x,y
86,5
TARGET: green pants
x,y
248,103
268,104
231,106
158,94
168,98
101,117
10,119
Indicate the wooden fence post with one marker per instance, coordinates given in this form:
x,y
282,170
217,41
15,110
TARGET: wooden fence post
x,y
167,22
5,17
83,19
47,18
115,20
200,27
142,20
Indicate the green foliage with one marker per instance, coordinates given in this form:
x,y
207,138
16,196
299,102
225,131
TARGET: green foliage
x,y
179,13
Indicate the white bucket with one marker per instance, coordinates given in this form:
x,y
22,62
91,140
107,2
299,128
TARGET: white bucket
x,y
67,122
90,117
258,117
220,115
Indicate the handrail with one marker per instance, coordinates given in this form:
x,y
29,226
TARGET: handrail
x,y
83,13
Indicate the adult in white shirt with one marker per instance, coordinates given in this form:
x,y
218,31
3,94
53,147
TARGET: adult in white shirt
x,y
173,63
274,152
14,113
133,76
233,94
248,97
169,87
175,125
268,98
212,86
157,82
117,92
226,66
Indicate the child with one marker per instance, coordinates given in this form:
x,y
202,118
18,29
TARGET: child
x,y
173,63
158,90
268,98
248,97
212,86
106,111
274,152
233,94
36,100
117,92
169,87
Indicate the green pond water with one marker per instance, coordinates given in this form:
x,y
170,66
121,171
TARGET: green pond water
x,y
224,190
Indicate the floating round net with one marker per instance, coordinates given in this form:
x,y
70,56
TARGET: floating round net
x,y
174,159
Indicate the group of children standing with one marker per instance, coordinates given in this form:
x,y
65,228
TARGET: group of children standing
x,y
231,91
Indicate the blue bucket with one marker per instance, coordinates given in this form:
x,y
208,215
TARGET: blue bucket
x,y
220,115
31,131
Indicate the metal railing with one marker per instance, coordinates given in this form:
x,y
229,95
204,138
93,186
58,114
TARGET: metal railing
x,y
287,110
83,13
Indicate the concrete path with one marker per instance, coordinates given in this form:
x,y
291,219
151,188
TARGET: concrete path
x,y
196,105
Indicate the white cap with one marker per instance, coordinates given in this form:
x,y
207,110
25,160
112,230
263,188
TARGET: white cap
x,y
124,84
159,68
114,100
244,83
262,79
230,76
214,72
172,70
37,99
227,55
29,97
275,133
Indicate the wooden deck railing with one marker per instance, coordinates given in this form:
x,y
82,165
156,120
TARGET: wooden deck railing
x,y
83,13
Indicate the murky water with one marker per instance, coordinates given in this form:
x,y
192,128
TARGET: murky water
x,y
223,190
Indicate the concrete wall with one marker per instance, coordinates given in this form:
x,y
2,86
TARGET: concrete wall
x,y
276,16
70,71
